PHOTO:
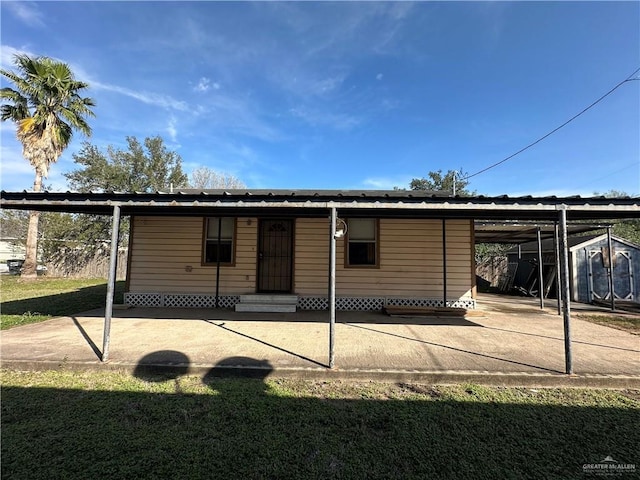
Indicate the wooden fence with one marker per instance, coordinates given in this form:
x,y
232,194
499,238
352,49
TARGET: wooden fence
x,y
76,264
495,270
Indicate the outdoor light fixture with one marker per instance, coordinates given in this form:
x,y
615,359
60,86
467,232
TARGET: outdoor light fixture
x,y
341,228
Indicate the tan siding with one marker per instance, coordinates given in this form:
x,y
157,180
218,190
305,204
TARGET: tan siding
x,y
165,247
410,260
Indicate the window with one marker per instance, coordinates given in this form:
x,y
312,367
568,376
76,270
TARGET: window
x,y
362,242
227,234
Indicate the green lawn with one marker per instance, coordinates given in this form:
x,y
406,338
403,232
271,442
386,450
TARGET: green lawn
x,y
43,298
627,323
78,425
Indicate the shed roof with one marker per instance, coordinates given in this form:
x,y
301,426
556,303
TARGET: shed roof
x,y
572,243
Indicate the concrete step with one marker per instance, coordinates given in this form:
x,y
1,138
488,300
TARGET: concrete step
x,y
265,308
266,299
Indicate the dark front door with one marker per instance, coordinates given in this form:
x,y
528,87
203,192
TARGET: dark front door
x,y
275,255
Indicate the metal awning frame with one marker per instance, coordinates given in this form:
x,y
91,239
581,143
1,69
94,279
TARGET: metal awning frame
x,y
330,204
309,203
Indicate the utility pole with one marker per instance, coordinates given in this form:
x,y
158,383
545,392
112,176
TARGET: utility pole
x,y
454,182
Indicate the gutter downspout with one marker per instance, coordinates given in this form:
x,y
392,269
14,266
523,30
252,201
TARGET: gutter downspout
x,y
444,263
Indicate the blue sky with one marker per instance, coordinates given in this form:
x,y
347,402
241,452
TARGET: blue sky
x,y
351,95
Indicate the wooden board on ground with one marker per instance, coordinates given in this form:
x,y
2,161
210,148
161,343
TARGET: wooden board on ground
x,y
425,311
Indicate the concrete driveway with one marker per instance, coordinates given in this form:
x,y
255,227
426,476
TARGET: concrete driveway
x,y
506,341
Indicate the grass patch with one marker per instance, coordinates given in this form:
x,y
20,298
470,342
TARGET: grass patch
x,y
43,298
80,424
629,324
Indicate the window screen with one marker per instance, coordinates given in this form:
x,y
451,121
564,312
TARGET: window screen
x,y
362,242
227,233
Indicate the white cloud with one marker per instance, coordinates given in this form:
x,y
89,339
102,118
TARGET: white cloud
x,y
203,85
379,76
327,85
171,129
387,183
318,118
7,53
28,12
15,172
237,114
150,98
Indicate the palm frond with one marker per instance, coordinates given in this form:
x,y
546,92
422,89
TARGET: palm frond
x,y
14,113
47,106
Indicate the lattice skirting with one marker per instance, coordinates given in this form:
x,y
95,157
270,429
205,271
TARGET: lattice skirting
x,y
377,303
179,300
185,300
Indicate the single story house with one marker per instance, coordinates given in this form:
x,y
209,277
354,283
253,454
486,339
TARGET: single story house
x,y
588,267
326,248
177,261
207,248
10,248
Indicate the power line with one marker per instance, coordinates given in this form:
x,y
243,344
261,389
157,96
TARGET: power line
x,y
610,174
628,79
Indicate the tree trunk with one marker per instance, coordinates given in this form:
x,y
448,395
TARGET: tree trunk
x,y
31,254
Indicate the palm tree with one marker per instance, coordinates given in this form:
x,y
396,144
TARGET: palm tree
x,y
46,108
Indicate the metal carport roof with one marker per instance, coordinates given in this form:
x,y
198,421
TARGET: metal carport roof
x,y
517,232
379,203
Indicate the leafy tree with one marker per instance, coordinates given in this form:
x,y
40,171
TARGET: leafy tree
x,y
46,107
147,167
436,181
14,225
62,232
627,229
205,178
484,251
142,168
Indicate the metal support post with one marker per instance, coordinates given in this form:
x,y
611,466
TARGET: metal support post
x,y
565,292
556,248
611,282
111,282
218,261
332,288
540,270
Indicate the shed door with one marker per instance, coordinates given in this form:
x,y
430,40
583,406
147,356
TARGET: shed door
x,y
599,276
275,256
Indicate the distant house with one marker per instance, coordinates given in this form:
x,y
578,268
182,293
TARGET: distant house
x,y
588,260
10,248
